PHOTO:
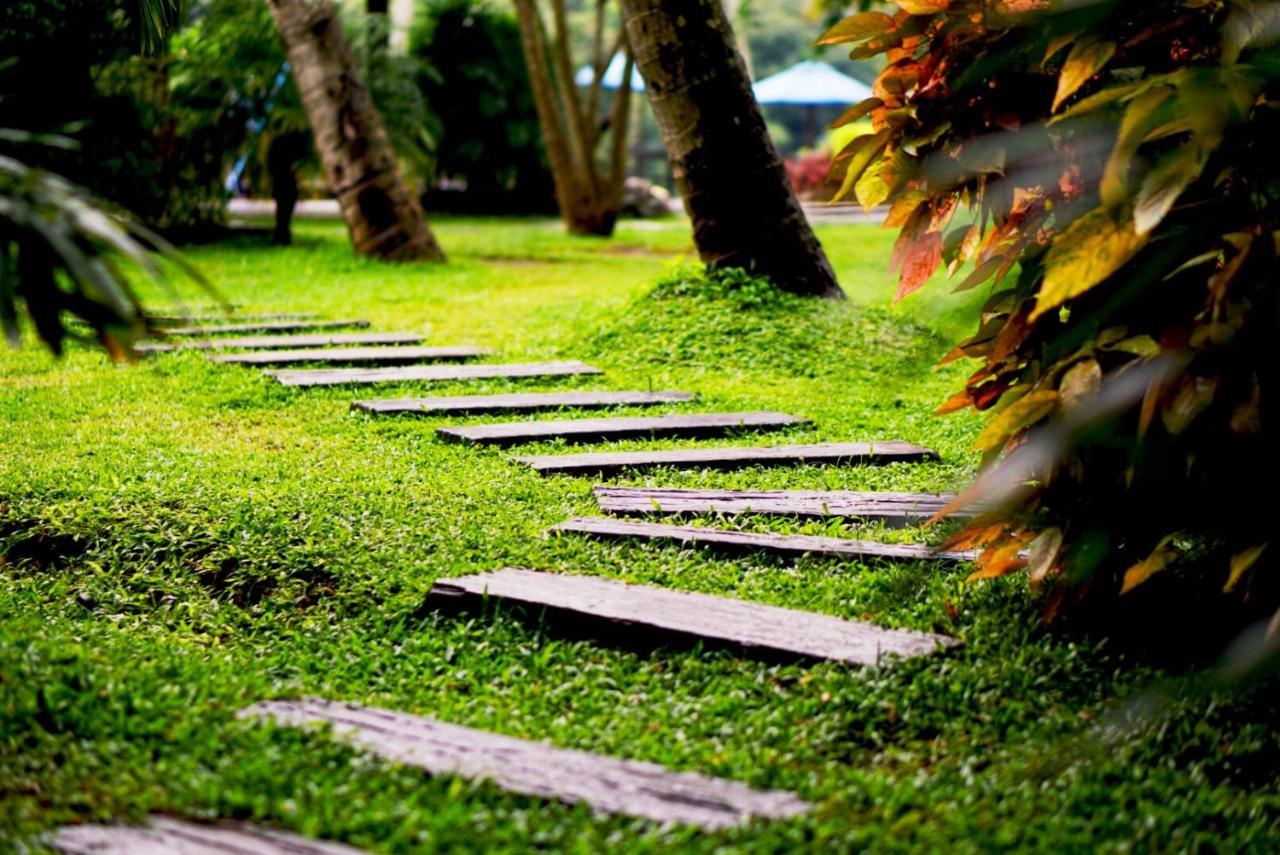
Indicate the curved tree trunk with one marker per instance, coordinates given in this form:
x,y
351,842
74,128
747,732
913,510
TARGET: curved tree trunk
x,y
384,219
728,171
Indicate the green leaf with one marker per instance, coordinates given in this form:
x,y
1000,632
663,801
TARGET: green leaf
x,y
1084,61
1145,112
1084,254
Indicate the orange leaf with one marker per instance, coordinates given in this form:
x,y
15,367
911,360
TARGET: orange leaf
x,y
856,112
959,401
919,262
1159,559
1242,561
999,561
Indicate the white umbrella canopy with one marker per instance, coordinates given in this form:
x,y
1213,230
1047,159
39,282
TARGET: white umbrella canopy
x,y
809,83
612,75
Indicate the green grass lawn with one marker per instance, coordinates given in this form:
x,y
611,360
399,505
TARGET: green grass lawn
x,y
184,539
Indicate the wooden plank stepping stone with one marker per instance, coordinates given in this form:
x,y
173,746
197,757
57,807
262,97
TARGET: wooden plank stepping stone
x,y
895,508
264,342
206,318
351,355
827,454
265,326
518,402
746,541
633,427
338,376
642,615
608,785
165,836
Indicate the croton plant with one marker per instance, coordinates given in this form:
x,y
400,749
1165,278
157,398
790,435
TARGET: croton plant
x,y
1110,172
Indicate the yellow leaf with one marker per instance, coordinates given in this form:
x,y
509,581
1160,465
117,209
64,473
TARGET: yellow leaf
x,y
1056,44
861,151
1028,409
1242,561
923,7
883,178
1085,253
1149,566
855,28
903,207
1084,61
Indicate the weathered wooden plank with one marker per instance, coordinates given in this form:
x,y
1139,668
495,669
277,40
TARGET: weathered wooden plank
x,y
339,376
609,785
174,319
694,425
266,326
264,342
745,541
893,508
519,402
826,454
641,615
165,836
351,355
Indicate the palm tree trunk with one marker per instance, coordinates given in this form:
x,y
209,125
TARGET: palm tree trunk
x,y
728,171
384,218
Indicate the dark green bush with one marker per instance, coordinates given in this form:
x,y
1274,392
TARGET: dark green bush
x,y
476,84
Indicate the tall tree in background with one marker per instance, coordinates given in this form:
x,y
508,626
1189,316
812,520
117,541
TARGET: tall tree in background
x,y
384,218
730,176
588,194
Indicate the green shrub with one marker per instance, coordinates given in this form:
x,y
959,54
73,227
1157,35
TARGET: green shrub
x,y
1116,165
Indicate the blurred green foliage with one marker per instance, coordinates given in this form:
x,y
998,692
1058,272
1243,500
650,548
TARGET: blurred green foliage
x,y
473,75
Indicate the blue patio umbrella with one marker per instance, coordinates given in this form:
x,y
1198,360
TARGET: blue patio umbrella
x,y
612,75
810,84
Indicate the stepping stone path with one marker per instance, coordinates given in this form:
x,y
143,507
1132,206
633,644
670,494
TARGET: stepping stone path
x,y
340,376
264,326
645,616
609,785
264,342
602,609
826,454
782,544
351,355
518,402
895,508
596,430
164,836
